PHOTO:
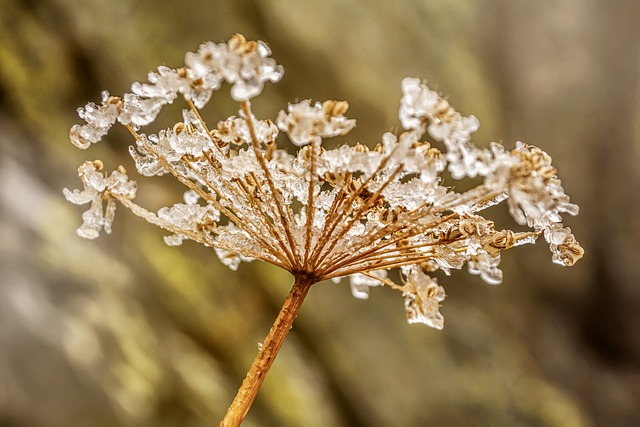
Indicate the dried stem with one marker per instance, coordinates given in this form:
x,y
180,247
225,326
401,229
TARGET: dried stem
x,y
268,352
310,206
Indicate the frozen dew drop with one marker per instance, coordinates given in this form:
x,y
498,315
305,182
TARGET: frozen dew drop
x,y
173,240
77,197
191,197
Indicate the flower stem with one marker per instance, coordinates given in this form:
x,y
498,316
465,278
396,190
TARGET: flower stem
x,y
268,352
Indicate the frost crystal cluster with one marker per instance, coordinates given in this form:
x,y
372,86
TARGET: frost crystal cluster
x,y
355,211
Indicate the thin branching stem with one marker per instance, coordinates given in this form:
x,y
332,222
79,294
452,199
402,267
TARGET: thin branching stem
x,y
337,216
197,237
286,219
348,257
257,209
244,223
198,190
356,217
268,225
311,210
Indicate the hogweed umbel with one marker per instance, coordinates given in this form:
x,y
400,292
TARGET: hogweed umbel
x,y
351,211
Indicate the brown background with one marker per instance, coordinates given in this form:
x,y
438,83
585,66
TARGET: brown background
x,y
125,331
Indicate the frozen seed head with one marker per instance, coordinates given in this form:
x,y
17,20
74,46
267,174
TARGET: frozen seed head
x,y
350,211
306,123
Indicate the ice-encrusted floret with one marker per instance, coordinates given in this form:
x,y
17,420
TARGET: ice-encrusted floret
x,y
537,197
421,107
422,298
98,118
565,248
189,218
418,103
99,189
306,123
234,130
246,65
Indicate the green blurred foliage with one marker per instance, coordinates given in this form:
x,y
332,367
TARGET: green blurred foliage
x,y
124,331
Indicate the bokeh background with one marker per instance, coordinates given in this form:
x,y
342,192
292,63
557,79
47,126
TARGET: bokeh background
x,y
125,331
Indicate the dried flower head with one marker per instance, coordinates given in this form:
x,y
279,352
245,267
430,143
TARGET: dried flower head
x,y
323,213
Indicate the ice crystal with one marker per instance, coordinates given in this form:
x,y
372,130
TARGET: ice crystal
x,y
353,211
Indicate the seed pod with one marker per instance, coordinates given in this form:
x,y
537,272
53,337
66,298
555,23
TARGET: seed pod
x,y
178,128
183,72
336,179
443,111
484,227
522,169
388,216
196,83
432,290
333,108
570,252
353,186
98,165
115,100
403,243
547,172
433,153
359,148
468,227
451,233
429,266
239,44
339,108
499,241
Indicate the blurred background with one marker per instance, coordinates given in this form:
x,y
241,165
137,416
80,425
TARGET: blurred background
x,y
125,331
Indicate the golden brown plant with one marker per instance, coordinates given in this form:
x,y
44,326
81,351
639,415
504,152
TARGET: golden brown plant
x,y
321,214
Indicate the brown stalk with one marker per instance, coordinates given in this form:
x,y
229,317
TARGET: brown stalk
x,y
268,352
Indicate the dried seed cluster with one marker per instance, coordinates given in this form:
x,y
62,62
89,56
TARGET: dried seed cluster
x,y
325,213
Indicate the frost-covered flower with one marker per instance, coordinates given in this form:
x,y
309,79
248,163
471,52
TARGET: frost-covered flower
x,y
306,123
98,189
354,211
246,65
98,118
422,299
